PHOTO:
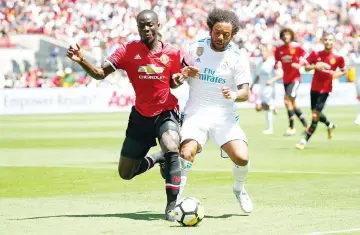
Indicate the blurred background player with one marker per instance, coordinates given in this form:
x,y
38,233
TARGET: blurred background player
x,y
325,63
150,65
290,55
265,75
355,62
224,79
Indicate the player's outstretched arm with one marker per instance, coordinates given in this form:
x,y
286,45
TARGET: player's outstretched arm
x,y
74,53
274,79
186,72
337,74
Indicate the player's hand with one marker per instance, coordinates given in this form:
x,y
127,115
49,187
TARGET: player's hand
x,y
269,82
333,73
226,92
322,66
190,72
296,65
74,53
178,79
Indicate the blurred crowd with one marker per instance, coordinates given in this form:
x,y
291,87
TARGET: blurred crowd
x,y
37,78
99,25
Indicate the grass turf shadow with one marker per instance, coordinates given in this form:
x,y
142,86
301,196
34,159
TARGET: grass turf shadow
x,y
141,215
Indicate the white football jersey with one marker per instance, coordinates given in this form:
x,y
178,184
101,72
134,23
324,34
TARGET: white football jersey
x,y
355,61
265,70
217,69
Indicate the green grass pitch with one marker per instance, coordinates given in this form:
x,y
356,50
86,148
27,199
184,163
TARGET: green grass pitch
x,y
58,175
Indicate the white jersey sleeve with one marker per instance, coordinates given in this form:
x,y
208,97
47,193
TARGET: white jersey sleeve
x,y
242,72
188,57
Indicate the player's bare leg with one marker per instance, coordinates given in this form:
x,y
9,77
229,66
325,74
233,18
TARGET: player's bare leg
x,y
357,120
258,107
169,142
133,160
291,114
188,150
237,150
269,119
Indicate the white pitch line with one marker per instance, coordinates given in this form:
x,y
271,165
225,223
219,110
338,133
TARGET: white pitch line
x,y
101,166
333,231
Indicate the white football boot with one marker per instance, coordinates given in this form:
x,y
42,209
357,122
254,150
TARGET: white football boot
x,y
357,121
244,200
268,132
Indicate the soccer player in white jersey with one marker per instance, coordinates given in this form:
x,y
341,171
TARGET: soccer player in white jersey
x,y
355,61
210,112
265,75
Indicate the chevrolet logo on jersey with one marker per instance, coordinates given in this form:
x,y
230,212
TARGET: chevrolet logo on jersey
x,y
150,69
332,61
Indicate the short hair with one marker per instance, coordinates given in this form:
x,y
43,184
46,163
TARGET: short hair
x,y
220,15
325,34
287,30
150,12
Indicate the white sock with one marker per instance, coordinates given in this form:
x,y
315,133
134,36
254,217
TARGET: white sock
x,y
185,166
359,109
269,119
240,176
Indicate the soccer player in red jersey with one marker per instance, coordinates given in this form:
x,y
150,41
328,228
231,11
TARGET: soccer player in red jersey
x,y
290,54
152,66
325,64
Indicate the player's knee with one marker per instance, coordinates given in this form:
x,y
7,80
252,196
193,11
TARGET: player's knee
x,y
169,137
241,159
258,108
170,141
287,101
315,115
126,175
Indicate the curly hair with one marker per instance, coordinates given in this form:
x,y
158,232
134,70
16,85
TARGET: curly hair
x,y
220,15
287,30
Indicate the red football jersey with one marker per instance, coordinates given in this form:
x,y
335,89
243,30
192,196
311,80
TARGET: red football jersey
x,y
288,54
322,80
149,74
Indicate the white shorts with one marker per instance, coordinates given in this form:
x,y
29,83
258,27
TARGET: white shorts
x,y
221,131
357,85
266,95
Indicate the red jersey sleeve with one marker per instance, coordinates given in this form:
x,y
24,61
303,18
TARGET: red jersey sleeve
x,y
117,58
301,52
311,59
341,62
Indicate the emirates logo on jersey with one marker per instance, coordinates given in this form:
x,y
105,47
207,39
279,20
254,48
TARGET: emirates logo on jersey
x,y
150,69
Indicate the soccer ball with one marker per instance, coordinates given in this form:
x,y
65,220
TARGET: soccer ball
x,y
189,211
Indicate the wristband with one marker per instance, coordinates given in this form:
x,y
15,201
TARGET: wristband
x,y
233,95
